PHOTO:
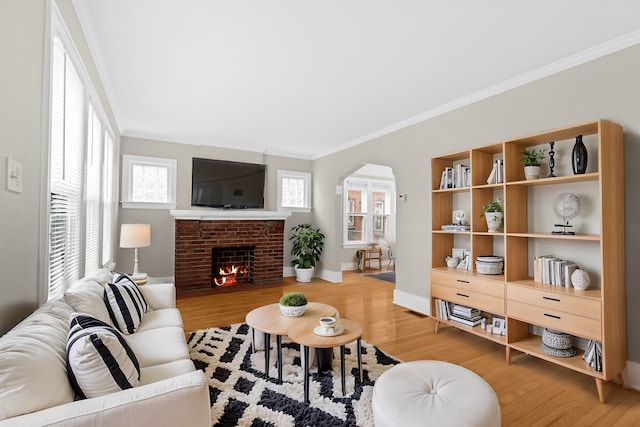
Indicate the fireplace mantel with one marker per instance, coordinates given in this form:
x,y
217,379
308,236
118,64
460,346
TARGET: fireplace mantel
x,y
228,214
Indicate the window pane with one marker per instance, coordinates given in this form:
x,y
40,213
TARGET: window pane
x,y
355,228
293,195
356,200
149,183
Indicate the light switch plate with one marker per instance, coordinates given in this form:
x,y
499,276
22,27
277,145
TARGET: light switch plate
x,y
14,175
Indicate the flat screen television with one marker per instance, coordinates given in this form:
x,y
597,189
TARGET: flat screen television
x,y
227,184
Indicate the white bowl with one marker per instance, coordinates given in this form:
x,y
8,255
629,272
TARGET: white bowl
x,y
293,311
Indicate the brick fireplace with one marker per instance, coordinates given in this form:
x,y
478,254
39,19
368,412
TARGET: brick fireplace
x,y
210,240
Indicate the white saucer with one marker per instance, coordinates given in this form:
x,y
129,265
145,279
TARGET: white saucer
x,y
337,330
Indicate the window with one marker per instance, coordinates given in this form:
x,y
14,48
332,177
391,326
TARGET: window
x,y
294,191
369,211
148,182
80,215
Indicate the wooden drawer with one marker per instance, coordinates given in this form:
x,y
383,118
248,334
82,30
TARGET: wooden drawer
x,y
473,299
576,325
468,283
585,307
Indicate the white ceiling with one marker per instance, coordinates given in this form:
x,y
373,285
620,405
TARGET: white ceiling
x,y
304,79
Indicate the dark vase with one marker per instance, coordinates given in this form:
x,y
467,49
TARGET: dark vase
x,y
579,156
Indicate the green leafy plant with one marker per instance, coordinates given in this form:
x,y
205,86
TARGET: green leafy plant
x,y
307,245
532,157
293,299
492,206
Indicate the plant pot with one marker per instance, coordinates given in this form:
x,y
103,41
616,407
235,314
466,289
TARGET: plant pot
x,y
292,310
532,172
303,275
494,221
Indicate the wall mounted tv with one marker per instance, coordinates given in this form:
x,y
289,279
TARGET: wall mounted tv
x,y
226,184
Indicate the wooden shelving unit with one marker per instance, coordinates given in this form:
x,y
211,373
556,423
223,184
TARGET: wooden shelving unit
x,y
528,306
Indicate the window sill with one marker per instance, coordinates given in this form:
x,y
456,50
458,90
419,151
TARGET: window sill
x,y
299,210
148,205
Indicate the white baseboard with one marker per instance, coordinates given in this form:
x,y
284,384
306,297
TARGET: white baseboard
x,y
631,375
412,302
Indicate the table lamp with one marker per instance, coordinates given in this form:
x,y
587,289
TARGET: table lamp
x,y
135,236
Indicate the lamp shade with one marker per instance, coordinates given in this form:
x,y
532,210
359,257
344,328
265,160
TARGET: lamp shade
x,y
135,235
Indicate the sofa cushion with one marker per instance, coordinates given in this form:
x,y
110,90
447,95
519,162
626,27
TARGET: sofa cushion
x,y
88,297
152,374
33,374
99,360
161,319
158,346
125,303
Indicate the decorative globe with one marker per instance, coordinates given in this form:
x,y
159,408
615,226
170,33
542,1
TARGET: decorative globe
x,y
580,279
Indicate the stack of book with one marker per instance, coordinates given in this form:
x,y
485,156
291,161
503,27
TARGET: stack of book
x,y
443,309
458,176
466,315
456,227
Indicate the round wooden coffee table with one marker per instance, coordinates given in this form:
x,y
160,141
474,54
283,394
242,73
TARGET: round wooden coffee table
x,y
303,334
270,320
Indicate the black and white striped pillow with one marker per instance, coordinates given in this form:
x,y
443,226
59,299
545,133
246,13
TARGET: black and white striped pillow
x,y
125,303
99,360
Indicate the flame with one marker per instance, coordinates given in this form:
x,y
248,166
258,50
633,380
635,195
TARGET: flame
x,y
228,275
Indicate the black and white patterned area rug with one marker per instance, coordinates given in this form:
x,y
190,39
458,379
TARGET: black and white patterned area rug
x,y
241,396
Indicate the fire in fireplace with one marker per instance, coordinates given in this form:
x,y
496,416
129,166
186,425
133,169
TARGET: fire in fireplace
x,y
229,276
232,265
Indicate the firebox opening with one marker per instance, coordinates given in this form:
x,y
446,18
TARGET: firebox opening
x,y
232,265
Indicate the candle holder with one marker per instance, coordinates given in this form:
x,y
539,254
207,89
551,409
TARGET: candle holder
x,y
552,162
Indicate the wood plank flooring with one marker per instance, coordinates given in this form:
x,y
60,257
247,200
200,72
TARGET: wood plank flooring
x,y
531,392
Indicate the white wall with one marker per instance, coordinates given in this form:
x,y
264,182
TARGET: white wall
x,y
606,88
22,43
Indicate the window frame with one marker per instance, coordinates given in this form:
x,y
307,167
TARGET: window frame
x,y
58,37
368,186
128,162
307,178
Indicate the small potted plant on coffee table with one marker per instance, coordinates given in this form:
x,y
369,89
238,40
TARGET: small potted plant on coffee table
x,y
531,161
293,304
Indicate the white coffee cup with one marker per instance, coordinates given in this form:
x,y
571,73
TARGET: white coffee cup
x,y
328,324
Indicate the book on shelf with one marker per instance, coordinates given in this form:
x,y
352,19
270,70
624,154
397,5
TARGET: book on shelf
x,y
443,309
455,318
455,227
492,176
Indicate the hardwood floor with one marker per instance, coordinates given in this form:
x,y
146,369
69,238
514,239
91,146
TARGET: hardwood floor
x,y
531,392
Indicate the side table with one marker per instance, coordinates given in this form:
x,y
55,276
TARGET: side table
x,y
303,334
270,320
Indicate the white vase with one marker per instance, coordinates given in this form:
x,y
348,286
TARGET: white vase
x,y
532,172
494,221
303,275
580,279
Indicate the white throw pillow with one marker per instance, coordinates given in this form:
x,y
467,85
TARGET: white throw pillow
x,y
125,303
88,297
33,374
99,360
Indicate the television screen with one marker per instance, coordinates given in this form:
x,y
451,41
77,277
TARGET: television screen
x,y
226,184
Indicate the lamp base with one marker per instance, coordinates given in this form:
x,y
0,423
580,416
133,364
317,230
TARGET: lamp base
x,y
138,276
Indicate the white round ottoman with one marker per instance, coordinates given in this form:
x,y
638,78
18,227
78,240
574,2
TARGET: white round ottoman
x,y
433,393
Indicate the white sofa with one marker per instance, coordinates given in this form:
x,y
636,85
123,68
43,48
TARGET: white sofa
x,y
35,389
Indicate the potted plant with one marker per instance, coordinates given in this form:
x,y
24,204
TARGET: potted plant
x,y
307,247
493,213
531,161
293,304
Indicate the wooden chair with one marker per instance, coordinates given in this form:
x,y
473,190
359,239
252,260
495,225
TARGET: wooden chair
x,y
373,254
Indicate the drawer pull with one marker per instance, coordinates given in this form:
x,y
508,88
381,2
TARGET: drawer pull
x,y
551,299
462,281
552,315
462,295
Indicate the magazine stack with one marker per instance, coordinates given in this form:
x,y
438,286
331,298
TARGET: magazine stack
x,y
466,315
